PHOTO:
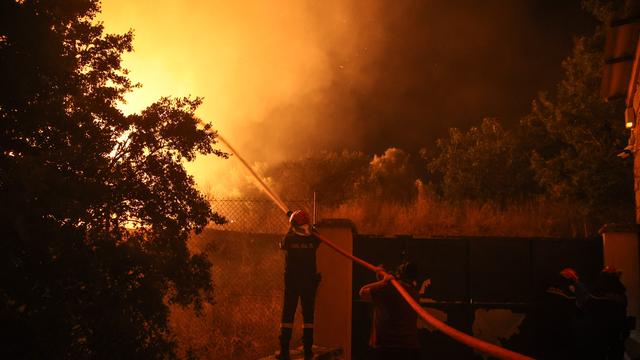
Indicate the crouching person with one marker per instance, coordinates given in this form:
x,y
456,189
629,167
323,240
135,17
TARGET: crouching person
x,y
394,330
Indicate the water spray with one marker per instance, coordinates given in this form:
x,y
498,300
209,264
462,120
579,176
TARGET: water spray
x,y
276,199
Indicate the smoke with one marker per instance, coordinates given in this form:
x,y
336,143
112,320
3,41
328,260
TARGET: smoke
x,y
285,78
403,72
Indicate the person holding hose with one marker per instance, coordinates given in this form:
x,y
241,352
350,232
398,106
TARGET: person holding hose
x,y
301,280
394,331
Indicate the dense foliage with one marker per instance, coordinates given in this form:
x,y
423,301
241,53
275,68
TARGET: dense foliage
x,y
95,206
563,151
576,135
485,163
331,175
338,177
391,176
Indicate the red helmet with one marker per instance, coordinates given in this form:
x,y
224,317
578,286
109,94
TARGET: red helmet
x,y
299,218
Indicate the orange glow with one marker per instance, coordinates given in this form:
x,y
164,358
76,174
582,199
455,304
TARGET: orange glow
x,y
246,58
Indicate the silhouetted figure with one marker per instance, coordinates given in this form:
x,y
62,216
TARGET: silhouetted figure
x,y
394,331
606,308
300,281
557,318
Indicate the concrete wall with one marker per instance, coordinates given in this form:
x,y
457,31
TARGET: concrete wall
x,y
333,300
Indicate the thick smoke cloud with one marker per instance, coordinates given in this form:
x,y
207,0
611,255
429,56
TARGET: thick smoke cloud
x,y
285,78
422,67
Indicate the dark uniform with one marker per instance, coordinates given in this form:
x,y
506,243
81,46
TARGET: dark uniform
x,y
394,334
557,318
300,282
606,308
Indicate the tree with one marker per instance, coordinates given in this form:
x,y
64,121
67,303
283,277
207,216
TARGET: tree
x,y
575,135
95,206
330,174
337,177
485,163
565,147
390,176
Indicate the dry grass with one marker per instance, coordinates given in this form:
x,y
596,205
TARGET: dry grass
x,y
430,216
243,322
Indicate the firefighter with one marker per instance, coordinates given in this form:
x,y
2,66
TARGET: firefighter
x,y
558,317
300,281
607,310
394,331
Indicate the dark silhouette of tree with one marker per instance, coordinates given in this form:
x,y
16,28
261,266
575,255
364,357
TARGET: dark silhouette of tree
x,y
485,163
331,175
338,177
565,148
575,135
95,206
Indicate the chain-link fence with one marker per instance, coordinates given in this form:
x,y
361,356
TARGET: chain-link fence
x,y
244,319
247,276
255,216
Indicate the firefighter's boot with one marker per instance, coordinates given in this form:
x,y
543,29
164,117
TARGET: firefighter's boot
x,y
285,338
307,342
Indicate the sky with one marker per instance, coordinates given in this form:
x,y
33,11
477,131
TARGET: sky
x,y
281,79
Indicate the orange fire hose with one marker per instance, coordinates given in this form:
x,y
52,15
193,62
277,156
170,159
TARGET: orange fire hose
x,y
457,335
483,346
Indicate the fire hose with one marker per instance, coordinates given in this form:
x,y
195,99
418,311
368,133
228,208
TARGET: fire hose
x,y
480,345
